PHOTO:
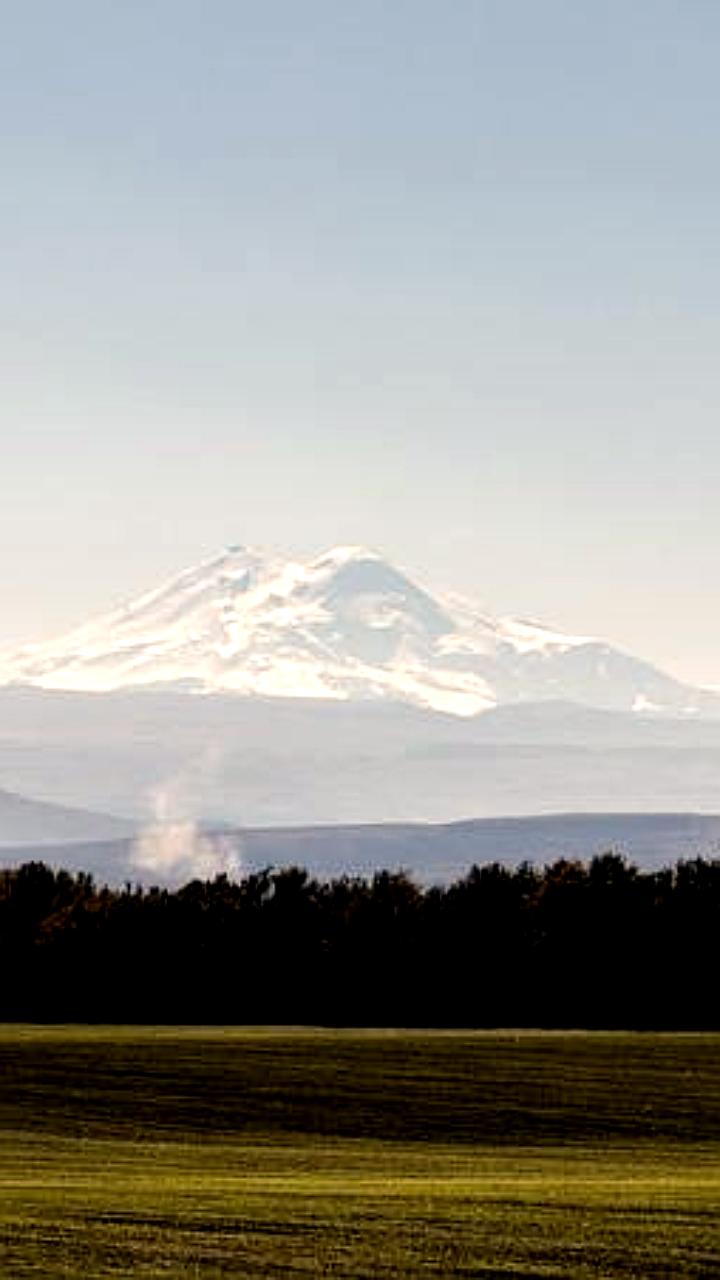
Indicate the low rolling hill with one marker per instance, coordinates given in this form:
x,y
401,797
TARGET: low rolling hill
x,y
24,821
430,852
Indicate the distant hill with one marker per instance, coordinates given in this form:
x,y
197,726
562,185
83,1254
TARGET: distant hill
x,y
24,821
432,853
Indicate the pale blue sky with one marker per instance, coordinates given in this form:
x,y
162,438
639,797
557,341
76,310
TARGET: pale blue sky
x,y
439,277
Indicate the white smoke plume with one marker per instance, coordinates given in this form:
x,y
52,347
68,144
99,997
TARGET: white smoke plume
x,y
173,846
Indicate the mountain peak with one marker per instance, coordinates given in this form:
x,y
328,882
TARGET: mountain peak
x,y
347,625
347,554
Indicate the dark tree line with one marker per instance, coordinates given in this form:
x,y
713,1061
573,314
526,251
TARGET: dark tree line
x,y
570,945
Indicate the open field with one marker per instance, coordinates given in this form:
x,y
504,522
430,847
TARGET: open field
x,y
204,1153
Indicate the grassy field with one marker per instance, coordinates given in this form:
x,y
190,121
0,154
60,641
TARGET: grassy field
x,y
204,1153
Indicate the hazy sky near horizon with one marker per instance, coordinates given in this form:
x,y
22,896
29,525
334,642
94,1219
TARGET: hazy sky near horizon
x,y
441,278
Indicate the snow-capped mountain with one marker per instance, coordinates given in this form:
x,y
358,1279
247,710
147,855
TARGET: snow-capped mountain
x,y
346,625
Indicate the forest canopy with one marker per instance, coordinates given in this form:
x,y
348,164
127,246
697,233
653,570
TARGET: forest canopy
x,y
599,944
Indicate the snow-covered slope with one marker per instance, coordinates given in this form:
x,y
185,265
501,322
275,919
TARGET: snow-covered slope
x,y
346,625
